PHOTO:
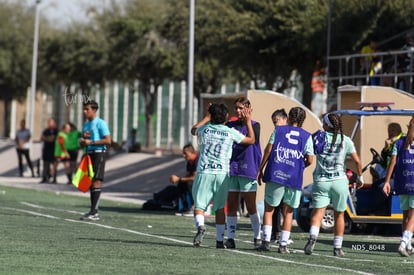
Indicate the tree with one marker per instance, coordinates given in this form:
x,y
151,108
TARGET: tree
x,y
139,51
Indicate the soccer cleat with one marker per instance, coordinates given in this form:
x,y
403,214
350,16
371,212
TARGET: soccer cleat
x,y
257,243
198,238
230,244
90,216
265,246
404,252
338,252
410,250
220,245
309,246
283,249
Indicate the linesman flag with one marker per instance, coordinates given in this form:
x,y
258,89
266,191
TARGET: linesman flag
x,y
84,174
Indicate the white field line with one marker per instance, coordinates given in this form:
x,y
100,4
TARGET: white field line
x,y
171,239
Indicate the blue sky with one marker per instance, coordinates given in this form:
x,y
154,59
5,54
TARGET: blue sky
x,y
64,12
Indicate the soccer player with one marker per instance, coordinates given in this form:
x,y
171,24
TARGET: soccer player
x,y
330,182
244,165
289,151
210,184
402,165
96,138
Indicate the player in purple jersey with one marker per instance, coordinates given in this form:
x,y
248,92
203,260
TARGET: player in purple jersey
x,y
288,152
244,165
402,165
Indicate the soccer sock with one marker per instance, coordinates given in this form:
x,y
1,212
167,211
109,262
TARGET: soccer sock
x,y
337,241
220,232
284,237
199,220
406,238
267,232
255,221
69,175
231,226
95,195
314,231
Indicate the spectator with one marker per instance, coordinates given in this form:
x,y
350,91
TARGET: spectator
x,y
394,134
366,60
48,137
318,88
185,184
406,63
23,136
61,152
131,145
73,146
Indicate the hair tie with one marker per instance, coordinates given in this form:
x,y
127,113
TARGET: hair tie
x,y
327,121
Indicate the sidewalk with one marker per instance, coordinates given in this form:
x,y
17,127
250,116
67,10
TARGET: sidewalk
x,y
131,178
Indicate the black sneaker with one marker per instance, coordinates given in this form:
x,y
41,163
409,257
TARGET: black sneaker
x,y
198,238
257,243
230,244
310,246
220,245
338,252
265,246
283,249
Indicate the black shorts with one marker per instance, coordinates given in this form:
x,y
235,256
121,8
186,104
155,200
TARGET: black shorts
x,y
73,155
98,164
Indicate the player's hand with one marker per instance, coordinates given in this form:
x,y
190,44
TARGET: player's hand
x,y
174,179
360,182
387,188
259,177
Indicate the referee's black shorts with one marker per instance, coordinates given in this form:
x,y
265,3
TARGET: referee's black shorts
x,y
98,164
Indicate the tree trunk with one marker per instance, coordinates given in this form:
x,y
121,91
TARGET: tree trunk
x,y
149,98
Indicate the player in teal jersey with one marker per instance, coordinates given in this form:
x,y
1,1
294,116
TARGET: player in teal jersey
x,y
330,180
216,143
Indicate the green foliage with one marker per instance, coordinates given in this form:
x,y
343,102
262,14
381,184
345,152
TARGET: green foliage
x,y
16,42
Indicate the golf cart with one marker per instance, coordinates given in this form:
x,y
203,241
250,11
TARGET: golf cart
x,y
367,205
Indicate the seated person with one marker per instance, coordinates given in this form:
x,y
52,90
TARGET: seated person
x,y
185,184
131,145
379,172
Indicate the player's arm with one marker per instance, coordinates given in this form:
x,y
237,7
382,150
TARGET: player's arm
x,y
250,138
202,122
387,187
265,158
